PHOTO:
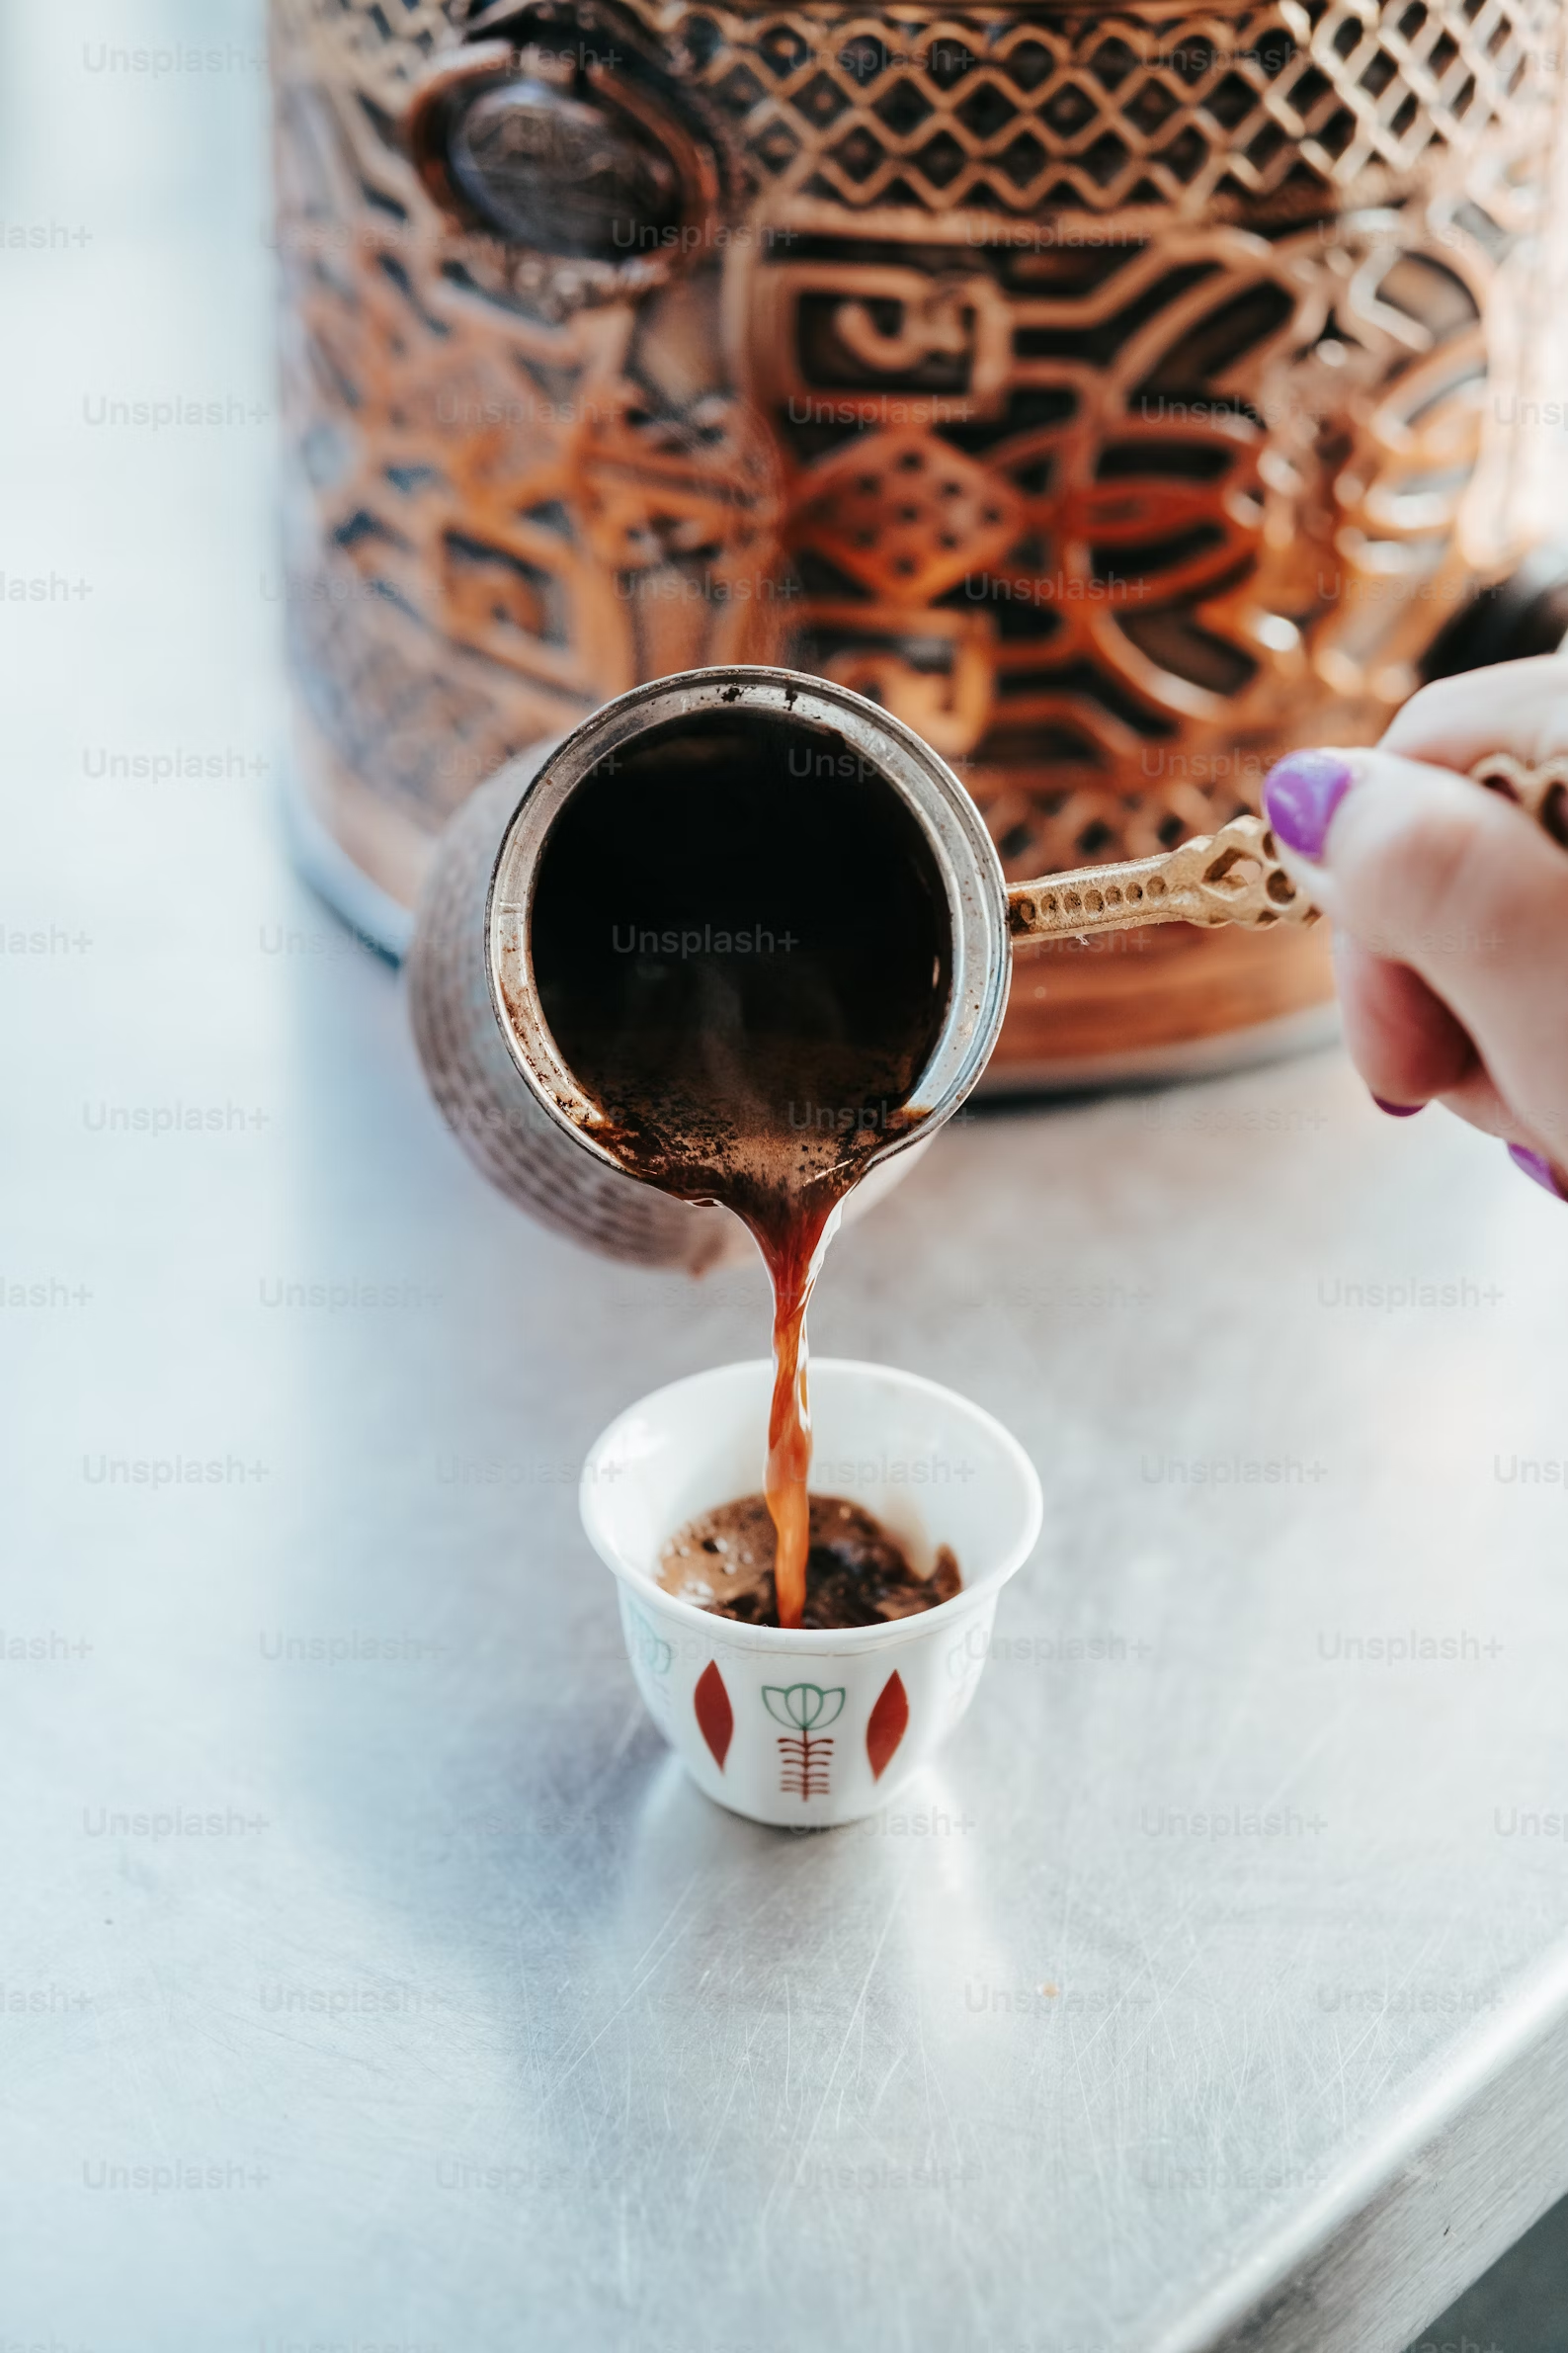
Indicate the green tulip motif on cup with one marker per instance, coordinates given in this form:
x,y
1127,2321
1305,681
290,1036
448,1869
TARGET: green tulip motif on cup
x,y
652,1649
806,1754
653,1654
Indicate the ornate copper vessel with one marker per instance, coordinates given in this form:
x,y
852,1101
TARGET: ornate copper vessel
x,y
1119,395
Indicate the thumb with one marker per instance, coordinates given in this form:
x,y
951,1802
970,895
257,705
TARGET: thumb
x,y
1425,869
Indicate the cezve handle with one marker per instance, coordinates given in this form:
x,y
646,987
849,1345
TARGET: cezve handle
x,y
1235,875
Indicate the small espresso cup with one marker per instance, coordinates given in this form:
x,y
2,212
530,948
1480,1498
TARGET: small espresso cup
x,y
796,1728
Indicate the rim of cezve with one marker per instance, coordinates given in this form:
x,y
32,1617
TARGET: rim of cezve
x,y
955,830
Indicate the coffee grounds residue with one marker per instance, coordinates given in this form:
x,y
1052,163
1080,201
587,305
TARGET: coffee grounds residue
x,y
857,1574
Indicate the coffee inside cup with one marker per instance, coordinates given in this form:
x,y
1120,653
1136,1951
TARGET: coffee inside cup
x,y
856,1572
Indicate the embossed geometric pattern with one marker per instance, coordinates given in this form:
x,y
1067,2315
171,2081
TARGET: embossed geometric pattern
x,y
906,508
1091,388
1137,580
379,45
496,521
1103,110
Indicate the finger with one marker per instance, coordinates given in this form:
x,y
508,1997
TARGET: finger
x,y
1518,706
1407,1044
1407,1047
1402,1038
1476,1101
1424,868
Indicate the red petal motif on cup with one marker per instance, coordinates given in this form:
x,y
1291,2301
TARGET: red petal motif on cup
x,y
890,1718
715,1718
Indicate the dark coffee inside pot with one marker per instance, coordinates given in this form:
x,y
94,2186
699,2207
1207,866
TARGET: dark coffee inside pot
x,y
740,940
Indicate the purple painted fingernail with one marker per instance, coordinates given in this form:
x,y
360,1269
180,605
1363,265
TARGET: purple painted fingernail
x,y
1538,1169
1398,1111
1300,794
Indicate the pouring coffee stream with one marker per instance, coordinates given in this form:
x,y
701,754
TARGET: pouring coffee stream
x,y
746,936
738,940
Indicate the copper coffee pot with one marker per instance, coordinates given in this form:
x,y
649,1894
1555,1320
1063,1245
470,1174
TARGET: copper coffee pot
x,y
517,1107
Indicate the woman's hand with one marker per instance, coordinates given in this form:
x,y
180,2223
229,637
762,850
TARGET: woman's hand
x,y
1450,907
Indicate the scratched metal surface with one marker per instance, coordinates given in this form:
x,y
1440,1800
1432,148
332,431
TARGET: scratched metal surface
x,y
478,2027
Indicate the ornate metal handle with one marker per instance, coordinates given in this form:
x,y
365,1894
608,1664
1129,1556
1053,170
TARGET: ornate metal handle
x,y
1233,876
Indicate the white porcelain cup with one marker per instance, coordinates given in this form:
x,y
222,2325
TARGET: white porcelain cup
x,y
802,1729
